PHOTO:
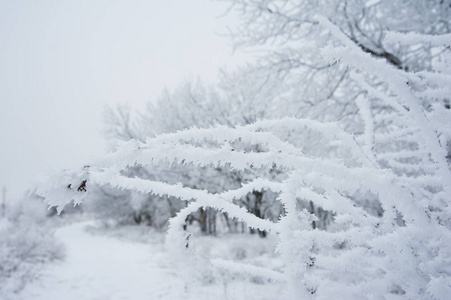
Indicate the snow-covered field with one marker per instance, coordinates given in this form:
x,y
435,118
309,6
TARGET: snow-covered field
x,y
104,265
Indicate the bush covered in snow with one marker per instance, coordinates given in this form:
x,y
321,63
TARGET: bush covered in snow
x,y
26,245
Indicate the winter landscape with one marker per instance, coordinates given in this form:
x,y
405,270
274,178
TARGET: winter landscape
x,y
316,168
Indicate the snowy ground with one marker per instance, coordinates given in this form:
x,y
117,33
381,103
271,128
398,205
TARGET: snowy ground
x,y
99,266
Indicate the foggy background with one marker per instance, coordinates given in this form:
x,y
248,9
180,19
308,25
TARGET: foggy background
x,y
62,62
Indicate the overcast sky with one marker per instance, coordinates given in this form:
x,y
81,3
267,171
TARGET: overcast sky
x,y
62,61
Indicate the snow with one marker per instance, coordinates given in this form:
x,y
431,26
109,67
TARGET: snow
x,y
413,38
98,266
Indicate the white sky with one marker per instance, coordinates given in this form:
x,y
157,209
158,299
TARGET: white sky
x,y
62,61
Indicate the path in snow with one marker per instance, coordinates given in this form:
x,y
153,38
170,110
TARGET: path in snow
x,y
99,267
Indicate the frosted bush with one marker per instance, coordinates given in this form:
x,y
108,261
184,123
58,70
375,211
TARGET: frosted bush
x,y
26,246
